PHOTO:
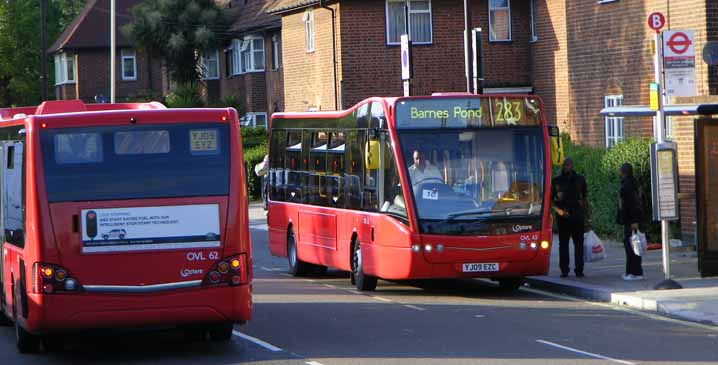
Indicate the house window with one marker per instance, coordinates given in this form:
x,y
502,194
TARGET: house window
x,y
275,52
129,64
209,65
254,120
309,30
64,68
247,55
614,125
420,31
499,20
534,35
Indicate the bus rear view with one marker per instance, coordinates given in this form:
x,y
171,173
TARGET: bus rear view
x,y
141,220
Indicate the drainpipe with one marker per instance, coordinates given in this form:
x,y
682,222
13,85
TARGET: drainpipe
x,y
334,51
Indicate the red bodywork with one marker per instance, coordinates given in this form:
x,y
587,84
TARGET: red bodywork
x,y
324,235
51,239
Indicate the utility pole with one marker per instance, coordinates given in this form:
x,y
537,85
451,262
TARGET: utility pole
x,y
43,50
112,51
468,47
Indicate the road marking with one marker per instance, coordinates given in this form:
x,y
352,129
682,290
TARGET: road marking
x,y
285,274
313,363
259,227
590,354
382,299
257,341
355,292
414,307
266,268
479,316
623,309
330,286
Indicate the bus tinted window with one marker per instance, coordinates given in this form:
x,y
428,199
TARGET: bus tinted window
x,y
135,162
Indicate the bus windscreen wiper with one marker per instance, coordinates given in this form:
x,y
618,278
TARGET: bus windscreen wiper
x,y
462,213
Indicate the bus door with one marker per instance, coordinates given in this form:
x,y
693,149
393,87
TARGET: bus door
x,y
12,218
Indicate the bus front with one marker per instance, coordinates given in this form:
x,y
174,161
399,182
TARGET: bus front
x,y
477,175
143,222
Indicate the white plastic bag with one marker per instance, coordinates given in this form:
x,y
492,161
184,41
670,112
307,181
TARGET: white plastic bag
x,y
639,243
592,247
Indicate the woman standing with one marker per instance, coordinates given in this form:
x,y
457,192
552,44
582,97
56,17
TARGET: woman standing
x,y
630,214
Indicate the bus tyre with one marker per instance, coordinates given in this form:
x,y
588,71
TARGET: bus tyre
x,y
221,332
362,281
4,318
510,284
297,267
27,343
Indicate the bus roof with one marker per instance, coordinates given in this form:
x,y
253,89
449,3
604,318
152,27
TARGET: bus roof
x,y
71,106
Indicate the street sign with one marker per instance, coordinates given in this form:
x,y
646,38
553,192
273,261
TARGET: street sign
x,y
656,21
679,63
405,57
710,53
664,181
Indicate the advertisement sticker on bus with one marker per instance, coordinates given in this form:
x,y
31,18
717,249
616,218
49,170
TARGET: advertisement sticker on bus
x,y
150,228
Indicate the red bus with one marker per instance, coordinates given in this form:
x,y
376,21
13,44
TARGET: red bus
x,y
445,186
124,215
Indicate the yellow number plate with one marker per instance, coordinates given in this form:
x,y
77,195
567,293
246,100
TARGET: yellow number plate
x,y
203,140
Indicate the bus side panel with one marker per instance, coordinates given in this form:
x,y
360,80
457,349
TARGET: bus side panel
x,y
389,255
278,218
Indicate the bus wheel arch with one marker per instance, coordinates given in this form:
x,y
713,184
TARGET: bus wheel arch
x,y
361,280
26,342
296,266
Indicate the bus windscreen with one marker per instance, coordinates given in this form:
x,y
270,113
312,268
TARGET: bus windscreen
x,y
468,112
136,162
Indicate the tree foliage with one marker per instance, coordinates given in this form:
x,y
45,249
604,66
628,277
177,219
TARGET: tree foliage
x,y
177,31
20,46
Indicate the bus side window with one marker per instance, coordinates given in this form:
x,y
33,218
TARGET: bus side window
x,y
293,166
13,219
354,169
336,169
318,168
276,165
394,202
370,200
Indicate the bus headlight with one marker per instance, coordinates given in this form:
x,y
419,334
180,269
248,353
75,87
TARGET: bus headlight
x,y
440,248
534,245
427,248
415,247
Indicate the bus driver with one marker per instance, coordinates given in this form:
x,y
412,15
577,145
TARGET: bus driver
x,y
423,171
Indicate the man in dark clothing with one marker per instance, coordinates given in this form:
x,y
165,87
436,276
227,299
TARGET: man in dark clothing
x,y
569,196
629,215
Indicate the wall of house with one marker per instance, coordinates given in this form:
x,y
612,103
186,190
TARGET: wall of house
x,y
309,76
373,68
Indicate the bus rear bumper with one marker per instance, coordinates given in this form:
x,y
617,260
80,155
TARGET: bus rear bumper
x,y
402,264
85,311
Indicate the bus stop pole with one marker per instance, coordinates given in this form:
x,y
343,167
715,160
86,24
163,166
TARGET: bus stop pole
x,y
660,132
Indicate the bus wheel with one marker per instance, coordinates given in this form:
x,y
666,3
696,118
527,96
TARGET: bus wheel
x,y
362,281
221,332
510,284
297,267
4,318
27,343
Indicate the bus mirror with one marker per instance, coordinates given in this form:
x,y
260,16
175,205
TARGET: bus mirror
x,y
371,155
556,146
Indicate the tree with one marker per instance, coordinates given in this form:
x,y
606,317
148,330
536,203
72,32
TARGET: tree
x,y
178,31
20,46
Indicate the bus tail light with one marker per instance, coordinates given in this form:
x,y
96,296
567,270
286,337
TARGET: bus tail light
x,y
228,271
52,279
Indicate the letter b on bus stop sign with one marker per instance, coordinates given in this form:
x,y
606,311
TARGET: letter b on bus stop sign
x,y
656,21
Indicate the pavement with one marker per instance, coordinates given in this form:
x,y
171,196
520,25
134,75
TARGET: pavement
x,y
696,302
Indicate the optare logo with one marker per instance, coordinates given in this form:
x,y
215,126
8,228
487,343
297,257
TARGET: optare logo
x,y
189,272
522,228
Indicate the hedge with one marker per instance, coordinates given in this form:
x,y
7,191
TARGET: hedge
x,y
254,147
600,168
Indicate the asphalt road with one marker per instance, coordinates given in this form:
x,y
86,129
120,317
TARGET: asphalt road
x,y
323,320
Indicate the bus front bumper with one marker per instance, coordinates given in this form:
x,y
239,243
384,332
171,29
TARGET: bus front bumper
x,y
84,311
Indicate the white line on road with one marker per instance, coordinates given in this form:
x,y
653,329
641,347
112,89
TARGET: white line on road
x,y
585,353
414,307
382,299
266,268
330,286
259,227
479,316
257,341
313,363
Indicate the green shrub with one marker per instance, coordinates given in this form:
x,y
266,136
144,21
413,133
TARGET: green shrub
x,y
185,96
230,101
600,168
252,137
253,156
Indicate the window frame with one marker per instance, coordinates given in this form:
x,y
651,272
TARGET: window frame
x,y
61,69
253,120
128,53
205,58
244,47
309,39
275,52
615,122
491,8
386,23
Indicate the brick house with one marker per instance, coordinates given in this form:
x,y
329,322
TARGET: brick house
x,y
249,68
366,50
82,60
599,54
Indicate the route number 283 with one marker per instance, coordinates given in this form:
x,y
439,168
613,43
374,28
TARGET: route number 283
x,y
508,111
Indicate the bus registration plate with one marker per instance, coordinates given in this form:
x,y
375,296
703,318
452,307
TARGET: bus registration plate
x,y
482,267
